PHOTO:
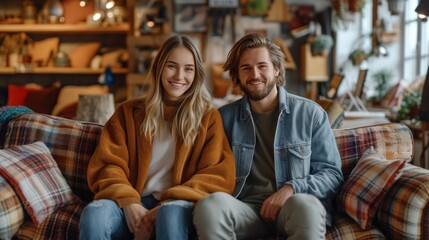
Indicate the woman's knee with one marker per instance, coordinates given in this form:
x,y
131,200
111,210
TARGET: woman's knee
x,y
100,208
99,219
175,209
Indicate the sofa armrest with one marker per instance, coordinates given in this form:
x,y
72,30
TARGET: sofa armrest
x,y
11,209
404,213
392,140
71,143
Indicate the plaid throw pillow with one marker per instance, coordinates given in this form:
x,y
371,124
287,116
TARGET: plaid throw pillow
x,y
11,211
36,178
366,186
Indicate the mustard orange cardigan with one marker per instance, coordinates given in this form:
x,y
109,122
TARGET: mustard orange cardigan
x,y
119,167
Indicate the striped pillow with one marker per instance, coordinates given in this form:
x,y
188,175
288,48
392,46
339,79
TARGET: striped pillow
x,y
11,211
36,178
366,186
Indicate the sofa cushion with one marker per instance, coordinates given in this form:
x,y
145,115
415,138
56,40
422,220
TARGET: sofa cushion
x,y
62,224
70,95
41,100
71,143
343,227
35,176
11,211
362,193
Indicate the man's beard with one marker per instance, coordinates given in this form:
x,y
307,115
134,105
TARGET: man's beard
x,y
257,95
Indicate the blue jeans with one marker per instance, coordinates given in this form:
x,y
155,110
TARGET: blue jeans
x,y
103,219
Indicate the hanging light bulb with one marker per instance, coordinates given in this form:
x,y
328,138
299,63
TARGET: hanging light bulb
x,y
110,4
83,3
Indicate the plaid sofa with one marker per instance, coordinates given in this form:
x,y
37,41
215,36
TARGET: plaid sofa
x,y
403,214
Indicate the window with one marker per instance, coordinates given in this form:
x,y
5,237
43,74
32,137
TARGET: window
x,y
415,44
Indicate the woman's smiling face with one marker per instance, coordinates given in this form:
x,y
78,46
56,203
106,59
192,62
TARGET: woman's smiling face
x,y
178,73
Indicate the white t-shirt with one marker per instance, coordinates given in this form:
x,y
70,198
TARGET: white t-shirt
x,y
161,166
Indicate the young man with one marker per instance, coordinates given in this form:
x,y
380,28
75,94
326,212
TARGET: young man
x,y
287,162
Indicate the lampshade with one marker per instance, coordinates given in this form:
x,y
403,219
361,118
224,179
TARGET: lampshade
x,y
423,8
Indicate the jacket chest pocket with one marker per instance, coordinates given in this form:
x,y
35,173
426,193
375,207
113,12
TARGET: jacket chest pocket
x,y
296,160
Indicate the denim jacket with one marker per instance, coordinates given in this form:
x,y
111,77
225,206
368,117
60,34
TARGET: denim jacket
x,y
305,152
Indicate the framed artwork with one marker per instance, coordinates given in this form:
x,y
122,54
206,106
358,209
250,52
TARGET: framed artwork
x,y
190,16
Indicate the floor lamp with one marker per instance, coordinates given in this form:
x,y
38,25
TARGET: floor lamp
x,y
423,11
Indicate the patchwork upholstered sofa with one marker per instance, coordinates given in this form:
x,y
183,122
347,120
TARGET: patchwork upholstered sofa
x,y
388,198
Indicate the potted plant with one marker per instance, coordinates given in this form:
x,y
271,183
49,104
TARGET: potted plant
x,y
409,106
322,45
358,56
382,80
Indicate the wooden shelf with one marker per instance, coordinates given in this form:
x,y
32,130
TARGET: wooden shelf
x,y
58,70
65,28
135,83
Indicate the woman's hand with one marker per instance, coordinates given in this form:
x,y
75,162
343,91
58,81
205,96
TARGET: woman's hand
x,y
147,226
134,213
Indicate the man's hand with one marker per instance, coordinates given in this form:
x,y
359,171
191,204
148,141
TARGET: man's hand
x,y
272,205
134,214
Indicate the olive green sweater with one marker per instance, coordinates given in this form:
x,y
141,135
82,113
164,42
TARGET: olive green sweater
x,y
119,167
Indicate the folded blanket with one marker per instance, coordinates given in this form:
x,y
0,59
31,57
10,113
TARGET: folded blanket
x,y
9,112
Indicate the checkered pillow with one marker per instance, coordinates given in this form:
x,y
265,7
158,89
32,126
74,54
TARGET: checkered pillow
x,y
11,211
366,186
35,176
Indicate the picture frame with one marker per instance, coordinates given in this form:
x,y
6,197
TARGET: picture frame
x,y
190,16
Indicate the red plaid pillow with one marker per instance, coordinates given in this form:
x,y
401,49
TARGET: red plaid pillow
x,y
36,178
366,186
11,211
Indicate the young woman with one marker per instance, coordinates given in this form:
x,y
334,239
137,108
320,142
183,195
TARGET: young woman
x,y
159,154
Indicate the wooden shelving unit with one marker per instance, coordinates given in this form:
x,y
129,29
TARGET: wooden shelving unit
x,y
58,70
70,32
82,28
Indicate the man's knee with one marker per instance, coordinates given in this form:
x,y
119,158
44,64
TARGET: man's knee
x,y
303,216
304,203
210,206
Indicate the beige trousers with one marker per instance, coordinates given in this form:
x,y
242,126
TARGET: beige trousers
x,y
221,216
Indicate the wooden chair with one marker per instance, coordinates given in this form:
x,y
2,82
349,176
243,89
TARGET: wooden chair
x,y
334,84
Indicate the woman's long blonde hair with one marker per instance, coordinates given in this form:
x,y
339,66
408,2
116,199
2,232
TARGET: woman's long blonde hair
x,y
194,103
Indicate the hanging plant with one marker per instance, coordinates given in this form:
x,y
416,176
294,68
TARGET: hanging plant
x,y
356,5
340,9
322,45
358,56
395,6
